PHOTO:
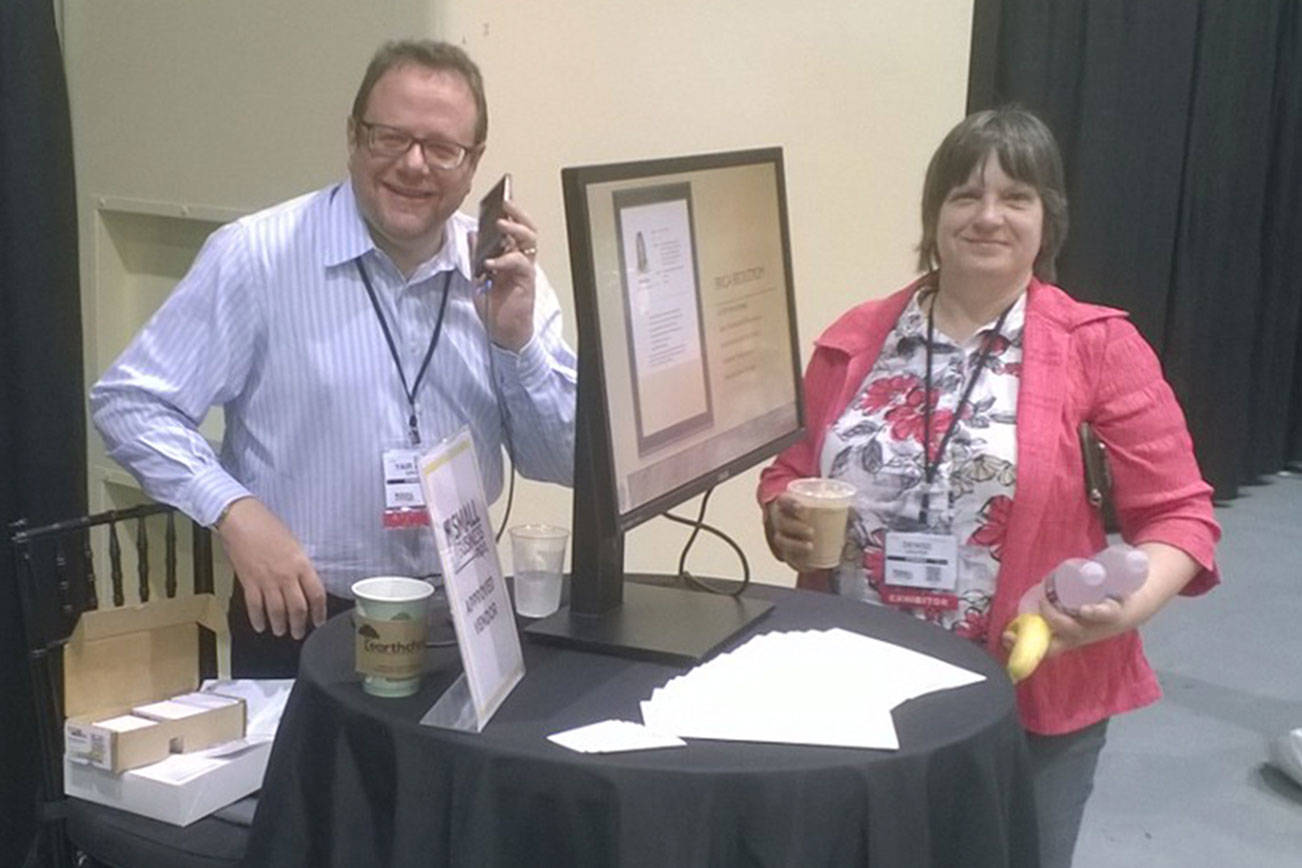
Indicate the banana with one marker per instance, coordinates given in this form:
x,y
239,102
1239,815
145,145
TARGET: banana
x,y
1033,635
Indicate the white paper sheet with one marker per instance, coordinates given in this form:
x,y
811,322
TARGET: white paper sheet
x,y
124,723
610,736
167,710
264,700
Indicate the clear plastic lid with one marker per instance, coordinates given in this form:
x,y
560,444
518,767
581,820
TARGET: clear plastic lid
x,y
820,492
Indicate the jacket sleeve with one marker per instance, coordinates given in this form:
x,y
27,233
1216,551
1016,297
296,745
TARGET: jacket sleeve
x,y
824,377
1159,492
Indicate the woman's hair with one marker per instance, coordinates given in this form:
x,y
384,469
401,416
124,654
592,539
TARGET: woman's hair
x,y
1026,151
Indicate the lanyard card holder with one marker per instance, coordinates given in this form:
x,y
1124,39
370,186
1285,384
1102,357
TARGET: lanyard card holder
x,y
404,501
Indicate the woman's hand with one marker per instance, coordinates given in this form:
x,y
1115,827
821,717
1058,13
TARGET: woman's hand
x,y
1092,623
1169,570
790,536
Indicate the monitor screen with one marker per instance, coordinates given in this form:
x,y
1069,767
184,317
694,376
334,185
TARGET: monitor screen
x,y
689,372
691,289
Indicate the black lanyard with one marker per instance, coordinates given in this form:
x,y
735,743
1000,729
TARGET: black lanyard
x,y
928,467
413,428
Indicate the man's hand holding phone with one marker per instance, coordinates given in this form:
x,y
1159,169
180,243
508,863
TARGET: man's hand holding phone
x,y
503,255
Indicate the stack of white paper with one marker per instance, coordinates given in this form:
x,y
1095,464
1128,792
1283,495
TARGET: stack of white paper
x,y
823,687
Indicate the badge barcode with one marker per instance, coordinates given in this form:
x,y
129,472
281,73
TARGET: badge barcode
x,y
933,575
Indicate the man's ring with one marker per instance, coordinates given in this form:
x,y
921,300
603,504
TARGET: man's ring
x,y
529,251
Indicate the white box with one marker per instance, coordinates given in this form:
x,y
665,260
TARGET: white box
x,y
180,789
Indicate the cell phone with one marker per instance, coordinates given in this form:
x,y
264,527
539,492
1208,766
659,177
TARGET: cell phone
x,y
491,240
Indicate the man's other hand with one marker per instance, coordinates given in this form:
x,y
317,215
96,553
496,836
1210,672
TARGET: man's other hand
x,y
281,587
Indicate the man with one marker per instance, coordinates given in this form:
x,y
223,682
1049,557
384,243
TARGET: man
x,y
342,332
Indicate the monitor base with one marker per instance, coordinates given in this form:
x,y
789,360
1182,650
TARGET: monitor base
x,y
666,625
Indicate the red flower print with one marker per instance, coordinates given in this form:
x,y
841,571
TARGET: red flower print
x,y
999,345
886,391
907,419
874,558
993,518
940,420
973,626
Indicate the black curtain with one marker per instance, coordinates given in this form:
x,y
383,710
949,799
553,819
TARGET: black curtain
x,y
42,415
1181,127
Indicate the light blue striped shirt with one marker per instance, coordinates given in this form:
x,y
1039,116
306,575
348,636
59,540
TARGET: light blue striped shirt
x,y
273,323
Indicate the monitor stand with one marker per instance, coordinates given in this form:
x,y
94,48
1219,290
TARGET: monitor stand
x,y
653,622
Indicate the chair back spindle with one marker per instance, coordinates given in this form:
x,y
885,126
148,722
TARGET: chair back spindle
x,y
115,561
169,543
88,578
142,560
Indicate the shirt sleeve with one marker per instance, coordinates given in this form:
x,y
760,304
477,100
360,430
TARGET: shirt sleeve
x,y
538,388
195,352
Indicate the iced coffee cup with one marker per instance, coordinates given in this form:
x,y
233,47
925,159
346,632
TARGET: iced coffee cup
x,y
826,504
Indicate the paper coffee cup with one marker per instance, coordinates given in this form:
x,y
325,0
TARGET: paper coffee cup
x,y
827,509
391,623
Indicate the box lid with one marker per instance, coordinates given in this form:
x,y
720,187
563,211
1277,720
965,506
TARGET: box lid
x,y
122,657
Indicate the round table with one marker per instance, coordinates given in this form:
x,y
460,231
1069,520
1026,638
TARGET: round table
x,y
356,780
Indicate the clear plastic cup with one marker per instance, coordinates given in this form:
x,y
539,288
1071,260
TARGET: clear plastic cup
x,y
827,509
538,557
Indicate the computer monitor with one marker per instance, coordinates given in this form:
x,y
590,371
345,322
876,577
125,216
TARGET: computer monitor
x,y
689,372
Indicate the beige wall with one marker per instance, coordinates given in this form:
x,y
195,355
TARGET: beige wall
x,y
186,114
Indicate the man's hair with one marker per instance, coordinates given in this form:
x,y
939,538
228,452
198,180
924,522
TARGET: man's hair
x,y
1026,151
430,54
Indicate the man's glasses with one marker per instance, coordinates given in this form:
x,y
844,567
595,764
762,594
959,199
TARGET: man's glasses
x,y
390,142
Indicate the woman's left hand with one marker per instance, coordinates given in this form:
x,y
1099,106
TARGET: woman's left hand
x,y
1090,624
1169,570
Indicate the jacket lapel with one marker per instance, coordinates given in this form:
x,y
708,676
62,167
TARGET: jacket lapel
x,y
1040,399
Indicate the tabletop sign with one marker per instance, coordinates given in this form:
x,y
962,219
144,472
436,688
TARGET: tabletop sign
x,y
472,577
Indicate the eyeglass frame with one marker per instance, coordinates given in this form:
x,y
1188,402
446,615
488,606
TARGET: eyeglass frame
x,y
368,128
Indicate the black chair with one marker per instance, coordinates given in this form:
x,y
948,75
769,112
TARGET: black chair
x,y
55,571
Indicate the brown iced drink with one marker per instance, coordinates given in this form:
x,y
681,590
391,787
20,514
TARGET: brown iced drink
x,y
826,504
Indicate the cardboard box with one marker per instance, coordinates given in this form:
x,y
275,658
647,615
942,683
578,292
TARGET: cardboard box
x,y
121,666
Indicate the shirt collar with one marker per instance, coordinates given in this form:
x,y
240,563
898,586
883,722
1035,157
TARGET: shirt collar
x,y
350,238
913,320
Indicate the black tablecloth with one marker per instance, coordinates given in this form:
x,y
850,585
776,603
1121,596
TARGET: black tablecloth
x,y
355,780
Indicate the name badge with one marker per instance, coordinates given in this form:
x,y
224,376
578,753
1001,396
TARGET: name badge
x,y
404,501
921,570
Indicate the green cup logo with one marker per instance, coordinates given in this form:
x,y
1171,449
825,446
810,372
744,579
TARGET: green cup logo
x,y
391,649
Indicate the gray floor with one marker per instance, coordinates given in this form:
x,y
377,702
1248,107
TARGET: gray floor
x,y
1186,782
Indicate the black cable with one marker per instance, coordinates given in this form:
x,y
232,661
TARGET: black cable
x,y
510,498
697,526
501,409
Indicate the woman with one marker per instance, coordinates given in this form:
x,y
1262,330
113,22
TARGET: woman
x,y
953,406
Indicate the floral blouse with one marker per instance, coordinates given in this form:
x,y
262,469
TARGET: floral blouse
x,y
877,445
